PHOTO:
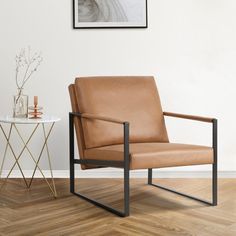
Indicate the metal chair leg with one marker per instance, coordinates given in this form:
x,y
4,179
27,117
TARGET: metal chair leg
x,y
106,207
149,176
72,167
126,172
214,166
214,173
214,184
214,192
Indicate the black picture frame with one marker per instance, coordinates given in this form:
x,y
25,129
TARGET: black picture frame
x,y
75,26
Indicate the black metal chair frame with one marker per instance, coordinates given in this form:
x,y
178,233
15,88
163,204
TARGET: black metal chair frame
x,y
126,166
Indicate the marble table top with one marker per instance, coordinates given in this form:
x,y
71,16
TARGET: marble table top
x,y
44,119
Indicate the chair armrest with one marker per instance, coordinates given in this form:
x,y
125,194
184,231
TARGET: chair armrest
x,y
190,117
108,119
203,119
98,117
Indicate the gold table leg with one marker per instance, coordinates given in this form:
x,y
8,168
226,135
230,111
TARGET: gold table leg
x,y
5,152
15,157
25,146
38,159
49,159
45,144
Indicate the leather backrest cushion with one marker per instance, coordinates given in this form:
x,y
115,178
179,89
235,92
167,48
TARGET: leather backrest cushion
x,y
78,126
77,122
134,99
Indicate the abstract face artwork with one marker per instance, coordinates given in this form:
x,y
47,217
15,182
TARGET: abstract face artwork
x,y
110,13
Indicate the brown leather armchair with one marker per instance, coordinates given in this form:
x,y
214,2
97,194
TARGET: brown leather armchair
x,y
119,122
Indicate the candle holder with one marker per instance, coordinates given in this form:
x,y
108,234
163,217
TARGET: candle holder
x,y
35,110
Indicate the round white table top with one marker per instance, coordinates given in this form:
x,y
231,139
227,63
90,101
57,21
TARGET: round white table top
x,y
44,119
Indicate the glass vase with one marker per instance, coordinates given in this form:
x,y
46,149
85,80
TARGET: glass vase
x,y
20,107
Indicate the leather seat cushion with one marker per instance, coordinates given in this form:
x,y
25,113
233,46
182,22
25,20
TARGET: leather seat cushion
x,y
154,155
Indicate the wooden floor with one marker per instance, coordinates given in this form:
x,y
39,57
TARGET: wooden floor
x,y
153,211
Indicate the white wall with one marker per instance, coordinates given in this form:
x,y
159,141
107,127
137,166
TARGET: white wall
x,y
190,46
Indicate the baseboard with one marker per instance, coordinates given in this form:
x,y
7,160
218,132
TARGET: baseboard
x,y
111,173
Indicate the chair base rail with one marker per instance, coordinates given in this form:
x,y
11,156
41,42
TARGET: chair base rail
x,y
183,194
97,203
101,205
214,187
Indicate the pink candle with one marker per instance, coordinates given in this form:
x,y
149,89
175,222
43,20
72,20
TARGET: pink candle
x,y
35,100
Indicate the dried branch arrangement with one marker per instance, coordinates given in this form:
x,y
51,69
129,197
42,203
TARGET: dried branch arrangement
x,y
26,65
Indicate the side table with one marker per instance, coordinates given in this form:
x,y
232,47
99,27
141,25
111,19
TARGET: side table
x,y
14,123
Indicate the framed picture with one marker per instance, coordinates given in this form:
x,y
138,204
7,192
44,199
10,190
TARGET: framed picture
x,y
109,14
